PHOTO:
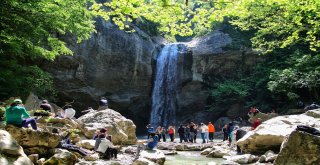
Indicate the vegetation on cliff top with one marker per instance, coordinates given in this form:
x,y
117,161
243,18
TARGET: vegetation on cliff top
x,y
286,30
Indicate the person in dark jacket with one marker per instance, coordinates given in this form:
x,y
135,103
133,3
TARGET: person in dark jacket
x,y
181,132
46,106
225,132
65,143
239,134
230,131
103,104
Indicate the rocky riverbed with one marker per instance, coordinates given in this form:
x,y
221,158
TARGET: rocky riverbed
x,y
275,141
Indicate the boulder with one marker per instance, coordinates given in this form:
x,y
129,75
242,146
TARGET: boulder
x,y
62,157
33,138
300,148
271,133
170,152
219,152
122,130
92,157
87,144
143,161
206,151
269,156
183,146
58,122
229,162
11,152
155,156
243,159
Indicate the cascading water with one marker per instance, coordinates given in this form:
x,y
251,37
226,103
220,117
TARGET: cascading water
x,y
164,95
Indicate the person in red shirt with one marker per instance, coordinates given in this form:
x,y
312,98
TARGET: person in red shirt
x,y
256,123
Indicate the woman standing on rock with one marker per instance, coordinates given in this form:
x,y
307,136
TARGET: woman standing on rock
x,y
16,112
159,132
171,133
163,134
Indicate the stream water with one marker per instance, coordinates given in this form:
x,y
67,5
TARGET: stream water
x,y
190,158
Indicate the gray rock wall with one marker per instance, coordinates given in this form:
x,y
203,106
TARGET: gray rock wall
x,y
120,66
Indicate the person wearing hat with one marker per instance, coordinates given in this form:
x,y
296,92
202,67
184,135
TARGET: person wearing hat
x,y
18,116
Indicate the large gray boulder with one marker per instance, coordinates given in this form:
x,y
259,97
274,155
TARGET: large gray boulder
x,y
300,148
62,157
11,152
122,130
154,156
271,133
34,142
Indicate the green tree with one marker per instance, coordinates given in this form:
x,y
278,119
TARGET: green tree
x,y
31,30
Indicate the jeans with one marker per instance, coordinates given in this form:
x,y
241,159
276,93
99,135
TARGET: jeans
x,y
30,121
203,136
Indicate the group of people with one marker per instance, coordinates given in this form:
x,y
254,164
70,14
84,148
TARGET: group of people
x,y
187,132
17,115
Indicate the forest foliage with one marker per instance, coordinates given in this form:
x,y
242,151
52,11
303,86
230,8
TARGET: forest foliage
x,y
286,31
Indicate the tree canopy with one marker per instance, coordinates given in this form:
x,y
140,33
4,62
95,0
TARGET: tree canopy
x,y
286,30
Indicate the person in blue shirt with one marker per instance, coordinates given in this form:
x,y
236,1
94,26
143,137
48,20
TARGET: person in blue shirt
x,y
149,130
151,143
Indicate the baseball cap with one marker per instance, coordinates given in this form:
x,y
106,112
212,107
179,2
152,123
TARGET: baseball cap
x,y
18,101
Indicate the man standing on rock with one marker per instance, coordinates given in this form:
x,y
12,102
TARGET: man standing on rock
x,y
211,131
149,130
239,134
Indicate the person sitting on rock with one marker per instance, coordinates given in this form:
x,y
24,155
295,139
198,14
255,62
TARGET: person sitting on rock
x,y
106,147
103,104
151,143
104,132
46,106
96,135
69,112
65,143
18,116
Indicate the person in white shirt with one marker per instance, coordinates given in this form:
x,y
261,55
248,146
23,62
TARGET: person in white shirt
x,y
106,147
69,112
204,132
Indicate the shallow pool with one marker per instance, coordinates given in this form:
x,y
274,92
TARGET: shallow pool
x,y
190,158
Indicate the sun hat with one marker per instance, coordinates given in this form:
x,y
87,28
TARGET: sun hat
x,y
18,101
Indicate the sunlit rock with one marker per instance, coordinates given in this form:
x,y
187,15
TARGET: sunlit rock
x,y
122,130
299,148
11,152
271,133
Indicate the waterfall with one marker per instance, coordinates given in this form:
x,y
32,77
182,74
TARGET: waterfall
x,y
164,95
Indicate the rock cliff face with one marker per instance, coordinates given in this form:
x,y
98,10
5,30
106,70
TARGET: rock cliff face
x,y
121,67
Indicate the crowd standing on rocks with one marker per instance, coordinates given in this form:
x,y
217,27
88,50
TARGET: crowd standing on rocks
x,y
105,137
